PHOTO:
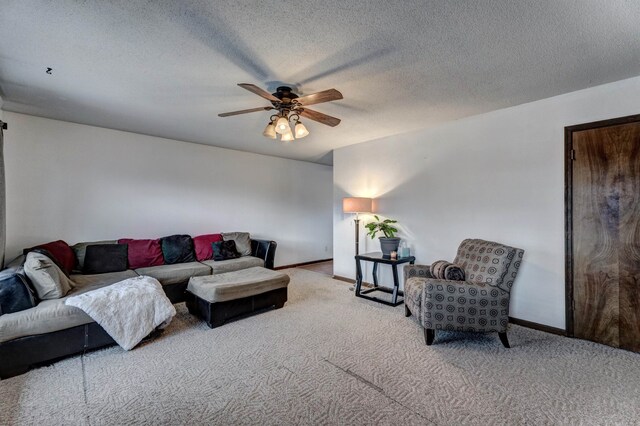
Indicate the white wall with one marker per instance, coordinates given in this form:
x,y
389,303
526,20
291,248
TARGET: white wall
x,y
82,183
497,176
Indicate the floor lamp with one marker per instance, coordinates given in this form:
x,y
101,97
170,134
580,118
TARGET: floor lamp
x,y
357,205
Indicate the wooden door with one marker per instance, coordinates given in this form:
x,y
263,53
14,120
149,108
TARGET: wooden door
x,y
604,232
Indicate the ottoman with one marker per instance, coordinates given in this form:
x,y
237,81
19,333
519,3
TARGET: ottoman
x,y
219,298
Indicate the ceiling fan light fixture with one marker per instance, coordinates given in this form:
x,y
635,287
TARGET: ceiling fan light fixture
x,y
288,107
282,125
270,131
300,130
287,137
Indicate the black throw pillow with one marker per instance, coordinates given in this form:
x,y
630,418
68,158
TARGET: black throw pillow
x,y
454,272
103,258
177,249
224,250
15,293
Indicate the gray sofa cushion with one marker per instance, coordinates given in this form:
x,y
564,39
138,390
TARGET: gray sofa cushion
x,y
177,273
86,282
242,240
230,265
54,315
47,316
237,284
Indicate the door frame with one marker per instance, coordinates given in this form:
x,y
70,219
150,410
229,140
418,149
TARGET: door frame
x,y
568,205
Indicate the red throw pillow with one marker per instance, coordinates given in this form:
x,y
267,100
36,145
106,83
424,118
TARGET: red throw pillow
x,y
202,245
143,253
62,254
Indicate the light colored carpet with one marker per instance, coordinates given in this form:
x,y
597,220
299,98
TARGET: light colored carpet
x,y
329,358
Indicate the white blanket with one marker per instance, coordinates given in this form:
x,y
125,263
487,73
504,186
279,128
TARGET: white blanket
x,y
128,310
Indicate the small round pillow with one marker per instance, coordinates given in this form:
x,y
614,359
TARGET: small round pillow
x,y
437,269
443,270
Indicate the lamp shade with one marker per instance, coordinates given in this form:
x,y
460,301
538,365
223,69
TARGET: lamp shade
x,y
287,137
357,205
270,131
301,130
282,125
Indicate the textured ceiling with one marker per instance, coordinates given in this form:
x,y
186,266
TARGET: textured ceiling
x,y
167,68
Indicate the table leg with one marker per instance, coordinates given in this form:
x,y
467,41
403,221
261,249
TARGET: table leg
x,y
358,277
396,284
375,274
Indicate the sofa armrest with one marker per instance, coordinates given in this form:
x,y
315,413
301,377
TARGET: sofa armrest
x,y
420,271
265,250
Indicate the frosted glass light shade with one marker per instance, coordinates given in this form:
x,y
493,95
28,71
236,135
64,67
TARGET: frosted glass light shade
x,y
287,137
282,126
300,130
270,131
357,205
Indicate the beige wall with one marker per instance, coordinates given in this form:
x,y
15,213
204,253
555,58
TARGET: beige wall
x,y
497,176
82,183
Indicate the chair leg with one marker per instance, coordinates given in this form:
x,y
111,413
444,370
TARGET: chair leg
x,y
407,312
429,335
504,340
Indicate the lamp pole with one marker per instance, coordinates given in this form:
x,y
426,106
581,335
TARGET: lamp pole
x,y
357,205
357,221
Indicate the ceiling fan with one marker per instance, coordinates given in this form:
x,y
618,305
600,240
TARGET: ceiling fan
x,y
290,106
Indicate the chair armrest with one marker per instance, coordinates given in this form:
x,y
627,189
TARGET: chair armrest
x,y
464,306
265,250
420,271
441,289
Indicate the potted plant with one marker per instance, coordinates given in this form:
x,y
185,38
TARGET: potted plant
x,y
389,242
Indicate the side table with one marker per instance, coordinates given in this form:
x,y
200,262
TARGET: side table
x,y
376,259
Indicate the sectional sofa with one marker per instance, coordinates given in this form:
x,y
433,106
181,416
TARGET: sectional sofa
x,y
52,330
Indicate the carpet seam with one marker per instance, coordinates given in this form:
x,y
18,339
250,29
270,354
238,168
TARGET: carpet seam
x,y
84,388
378,389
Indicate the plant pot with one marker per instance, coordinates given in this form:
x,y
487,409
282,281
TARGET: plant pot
x,y
388,245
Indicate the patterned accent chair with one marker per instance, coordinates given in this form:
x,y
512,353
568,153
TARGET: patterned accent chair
x,y
480,303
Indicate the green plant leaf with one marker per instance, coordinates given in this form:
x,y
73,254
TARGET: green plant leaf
x,y
381,226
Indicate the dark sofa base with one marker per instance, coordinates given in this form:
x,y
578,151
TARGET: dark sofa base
x,y
20,355
175,292
216,314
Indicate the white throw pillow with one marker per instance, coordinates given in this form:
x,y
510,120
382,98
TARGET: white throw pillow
x,y
47,279
242,239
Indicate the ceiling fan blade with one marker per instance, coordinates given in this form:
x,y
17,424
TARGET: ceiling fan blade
x,y
244,111
258,91
318,98
320,117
